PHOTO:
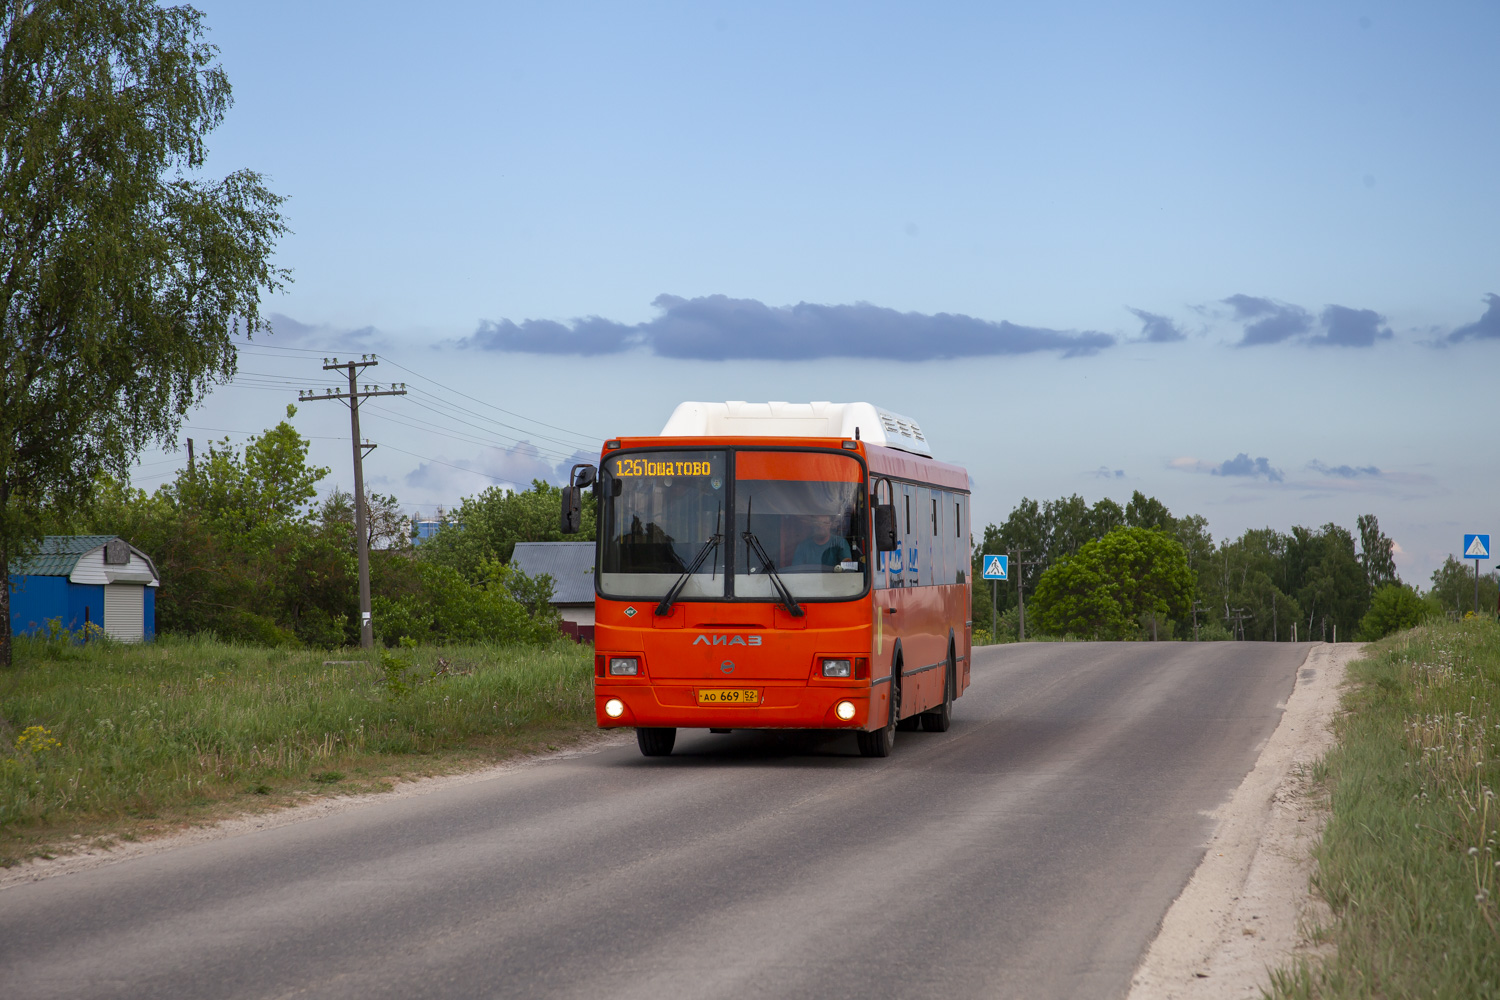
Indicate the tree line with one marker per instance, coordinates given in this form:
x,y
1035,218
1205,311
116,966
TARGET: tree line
x,y
1111,572
246,551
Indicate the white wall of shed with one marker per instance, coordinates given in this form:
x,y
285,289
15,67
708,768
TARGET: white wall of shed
x,y
578,615
91,569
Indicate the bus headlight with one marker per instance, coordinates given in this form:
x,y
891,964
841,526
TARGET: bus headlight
x,y
614,708
844,710
624,666
837,668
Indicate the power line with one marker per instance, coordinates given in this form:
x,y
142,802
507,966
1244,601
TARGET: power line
x,y
469,439
460,468
492,406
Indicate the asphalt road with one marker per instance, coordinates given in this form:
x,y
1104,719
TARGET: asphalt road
x,y
1028,852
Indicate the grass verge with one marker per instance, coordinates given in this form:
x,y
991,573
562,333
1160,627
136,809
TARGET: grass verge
x,y
1410,858
103,740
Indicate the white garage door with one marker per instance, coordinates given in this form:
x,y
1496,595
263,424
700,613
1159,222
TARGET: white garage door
x,y
125,611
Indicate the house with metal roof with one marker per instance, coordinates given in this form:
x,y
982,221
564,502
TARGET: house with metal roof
x,y
571,566
83,580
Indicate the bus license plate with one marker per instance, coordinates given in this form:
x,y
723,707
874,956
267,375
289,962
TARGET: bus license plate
x,y
729,696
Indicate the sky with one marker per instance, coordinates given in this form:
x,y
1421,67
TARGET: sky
x,y
1239,257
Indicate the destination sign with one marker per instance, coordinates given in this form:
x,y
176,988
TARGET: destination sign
x,y
660,467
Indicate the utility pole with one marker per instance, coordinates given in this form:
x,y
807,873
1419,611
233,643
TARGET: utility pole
x,y
1197,607
1236,619
1275,636
1021,595
361,449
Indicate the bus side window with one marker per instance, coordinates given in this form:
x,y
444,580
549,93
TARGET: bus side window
x,y
924,540
966,535
942,539
959,567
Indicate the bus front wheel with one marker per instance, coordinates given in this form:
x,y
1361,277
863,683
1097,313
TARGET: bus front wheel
x,y
880,742
655,742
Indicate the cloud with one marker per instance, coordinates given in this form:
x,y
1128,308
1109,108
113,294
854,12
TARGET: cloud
x,y
1105,472
1243,465
718,328
1345,327
1240,465
515,467
1344,471
288,332
1157,329
1487,327
1267,321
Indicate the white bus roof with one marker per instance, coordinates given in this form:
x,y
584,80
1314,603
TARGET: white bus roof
x,y
736,418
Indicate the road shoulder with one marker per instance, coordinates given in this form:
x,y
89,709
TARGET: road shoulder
x,y
1248,907
86,858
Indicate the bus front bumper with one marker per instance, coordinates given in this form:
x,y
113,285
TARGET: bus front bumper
x,y
779,706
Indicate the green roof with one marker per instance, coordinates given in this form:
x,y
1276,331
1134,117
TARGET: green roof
x,y
58,555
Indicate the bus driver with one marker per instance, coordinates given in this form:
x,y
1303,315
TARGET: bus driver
x,y
823,547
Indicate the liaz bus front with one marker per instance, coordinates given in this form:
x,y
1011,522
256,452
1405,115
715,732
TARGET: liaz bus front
x,y
734,570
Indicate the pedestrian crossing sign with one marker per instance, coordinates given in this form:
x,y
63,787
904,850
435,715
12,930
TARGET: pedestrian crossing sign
x,y
1476,546
997,567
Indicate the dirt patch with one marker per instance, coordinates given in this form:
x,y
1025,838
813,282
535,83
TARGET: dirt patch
x,y
1249,908
96,855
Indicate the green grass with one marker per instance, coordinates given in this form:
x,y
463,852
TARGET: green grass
x,y
1409,860
110,740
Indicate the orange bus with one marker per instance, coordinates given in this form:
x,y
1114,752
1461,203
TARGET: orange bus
x,y
778,566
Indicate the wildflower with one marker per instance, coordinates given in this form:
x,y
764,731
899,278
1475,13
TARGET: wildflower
x,y
37,739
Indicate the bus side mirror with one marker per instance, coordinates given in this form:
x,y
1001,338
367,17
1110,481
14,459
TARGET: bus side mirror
x,y
572,510
885,527
583,476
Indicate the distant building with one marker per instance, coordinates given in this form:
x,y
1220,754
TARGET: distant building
x,y
84,580
571,566
423,528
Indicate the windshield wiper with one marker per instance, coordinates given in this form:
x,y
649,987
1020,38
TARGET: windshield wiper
x,y
751,542
665,607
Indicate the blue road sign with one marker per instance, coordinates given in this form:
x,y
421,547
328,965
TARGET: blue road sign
x,y
997,567
1476,546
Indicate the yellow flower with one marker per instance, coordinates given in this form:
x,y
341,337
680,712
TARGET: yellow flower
x,y
37,739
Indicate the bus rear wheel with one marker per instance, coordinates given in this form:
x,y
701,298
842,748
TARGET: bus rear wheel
x,y
655,742
938,720
881,741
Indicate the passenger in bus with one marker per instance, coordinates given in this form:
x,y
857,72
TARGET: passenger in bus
x,y
823,547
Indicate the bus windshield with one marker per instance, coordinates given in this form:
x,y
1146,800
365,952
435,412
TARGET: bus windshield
x,y
802,511
658,510
797,514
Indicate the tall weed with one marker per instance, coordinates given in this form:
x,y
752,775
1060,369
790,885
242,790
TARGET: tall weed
x,y
1412,850
102,731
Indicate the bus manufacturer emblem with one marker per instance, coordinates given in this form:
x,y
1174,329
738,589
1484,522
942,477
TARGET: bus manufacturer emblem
x,y
630,612
727,667
724,639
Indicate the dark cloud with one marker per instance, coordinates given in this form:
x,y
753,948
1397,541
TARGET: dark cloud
x,y
1267,321
1345,327
718,328
1343,471
1243,465
1157,329
1487,327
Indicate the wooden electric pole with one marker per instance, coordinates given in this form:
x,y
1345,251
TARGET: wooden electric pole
x,y
361,449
